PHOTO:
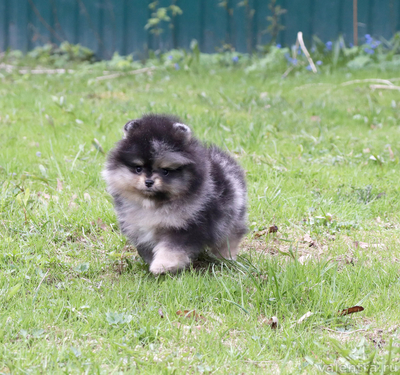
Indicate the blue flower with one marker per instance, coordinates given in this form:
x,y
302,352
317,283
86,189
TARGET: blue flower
x,y
290,60
170,57
235,59
38,154
309,67
369,51
351,45
313,49
177,67
319,62
328,45
278,46
368,38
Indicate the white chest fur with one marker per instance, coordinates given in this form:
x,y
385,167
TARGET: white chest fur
x,y
143,220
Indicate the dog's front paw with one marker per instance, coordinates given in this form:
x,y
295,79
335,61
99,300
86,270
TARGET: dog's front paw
x,y
160,268
166,260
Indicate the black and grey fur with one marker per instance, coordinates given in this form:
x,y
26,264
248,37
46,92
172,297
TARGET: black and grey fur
x,y
175,197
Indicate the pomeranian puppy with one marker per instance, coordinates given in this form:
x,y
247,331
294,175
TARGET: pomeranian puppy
x,y
174,196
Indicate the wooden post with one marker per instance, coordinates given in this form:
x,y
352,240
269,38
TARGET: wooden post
x,y
355,23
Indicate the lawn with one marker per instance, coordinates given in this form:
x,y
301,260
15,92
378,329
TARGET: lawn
x,y
322,164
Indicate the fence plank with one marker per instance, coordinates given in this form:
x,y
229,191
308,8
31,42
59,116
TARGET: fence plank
x,y
106,26
214,26
4,25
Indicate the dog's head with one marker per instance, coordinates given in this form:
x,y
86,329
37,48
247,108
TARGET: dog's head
x,y
156,159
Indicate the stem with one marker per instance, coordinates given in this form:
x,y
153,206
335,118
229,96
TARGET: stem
x,y
355,22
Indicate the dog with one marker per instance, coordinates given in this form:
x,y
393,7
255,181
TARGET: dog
x,y
175,196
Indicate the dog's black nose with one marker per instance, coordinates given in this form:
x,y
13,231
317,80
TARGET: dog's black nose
x,y
149,183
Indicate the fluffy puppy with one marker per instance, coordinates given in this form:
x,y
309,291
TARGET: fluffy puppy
x,y
174,196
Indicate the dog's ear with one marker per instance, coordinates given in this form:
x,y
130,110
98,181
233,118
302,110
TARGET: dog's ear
x,y
130,126
183,129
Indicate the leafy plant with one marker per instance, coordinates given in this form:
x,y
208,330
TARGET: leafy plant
x,y
114,318
160,15
274,19
59,55
272,60
338,54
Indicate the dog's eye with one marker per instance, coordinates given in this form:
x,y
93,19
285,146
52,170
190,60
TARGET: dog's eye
x,y
138,169
165,172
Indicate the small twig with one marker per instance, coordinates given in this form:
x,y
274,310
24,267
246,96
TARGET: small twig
x,y
10,68
384,87
284,75
45,71
116,75
37,289
342,333
368,80
26,218
82,278
305,51
314,84
44,23
296,48
7,67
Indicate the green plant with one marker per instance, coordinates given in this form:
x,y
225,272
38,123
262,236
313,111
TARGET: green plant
x,y
60,55
160,15
275,27
372,52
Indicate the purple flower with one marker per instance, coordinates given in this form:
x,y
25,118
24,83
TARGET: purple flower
x,y
328,45
278,46
309,67
290,60
170,57
369,51
177,67
351,45
319,62
38,154
235,59
368,38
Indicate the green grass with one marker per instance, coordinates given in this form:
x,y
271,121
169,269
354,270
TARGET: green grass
x,y
322,164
